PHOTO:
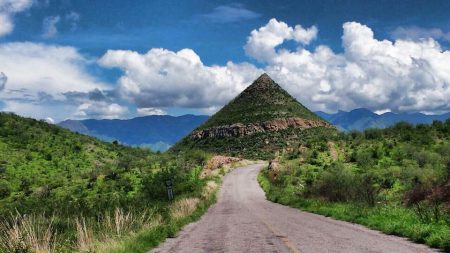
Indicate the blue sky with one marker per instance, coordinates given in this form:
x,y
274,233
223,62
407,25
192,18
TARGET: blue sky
x,y
68,41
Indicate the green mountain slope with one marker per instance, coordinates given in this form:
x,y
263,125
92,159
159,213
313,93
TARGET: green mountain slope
x,y
46,168
42,164
55,178
261,101
262,119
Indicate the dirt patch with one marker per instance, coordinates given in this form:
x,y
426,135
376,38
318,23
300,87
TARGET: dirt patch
x,y
223,164
333,150
274,169
213,166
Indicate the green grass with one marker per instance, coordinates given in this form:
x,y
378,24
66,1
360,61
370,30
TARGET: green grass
x,y
390,219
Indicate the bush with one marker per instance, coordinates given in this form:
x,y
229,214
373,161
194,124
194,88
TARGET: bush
x,y
336,183
373,133
364,157
430,200
366,189
5,189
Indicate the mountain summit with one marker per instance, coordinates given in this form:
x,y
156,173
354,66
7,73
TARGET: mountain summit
x,y
261,101
263,118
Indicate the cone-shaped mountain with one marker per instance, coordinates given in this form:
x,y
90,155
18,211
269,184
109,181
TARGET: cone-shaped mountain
x,y
263,100
262,119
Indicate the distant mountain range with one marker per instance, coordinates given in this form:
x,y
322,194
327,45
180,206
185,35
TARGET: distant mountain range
x,y
158,132
360,119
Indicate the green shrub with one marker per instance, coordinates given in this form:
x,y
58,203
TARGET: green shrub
x,y
337,183
5,189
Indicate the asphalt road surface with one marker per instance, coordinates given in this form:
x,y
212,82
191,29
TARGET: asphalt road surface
x,y
243,220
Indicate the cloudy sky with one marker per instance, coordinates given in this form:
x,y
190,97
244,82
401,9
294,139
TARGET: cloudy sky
x,y
79,59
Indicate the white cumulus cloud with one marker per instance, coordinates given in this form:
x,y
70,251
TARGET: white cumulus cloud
x,y
46,68
150,111
100,110
6,25
39,75
161,78
401,75
8,8
261,43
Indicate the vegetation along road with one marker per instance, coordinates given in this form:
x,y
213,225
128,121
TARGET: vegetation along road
x,y
244,221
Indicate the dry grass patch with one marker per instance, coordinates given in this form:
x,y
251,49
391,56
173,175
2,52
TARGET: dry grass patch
x,y
37,233
27,234
209,189
85,236
112,226
183,207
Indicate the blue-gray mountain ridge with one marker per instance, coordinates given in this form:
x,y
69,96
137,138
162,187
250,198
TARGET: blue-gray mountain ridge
x,y
360,119
160,132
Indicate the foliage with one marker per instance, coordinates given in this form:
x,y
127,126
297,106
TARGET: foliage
x,y
64,177
395,179
258,145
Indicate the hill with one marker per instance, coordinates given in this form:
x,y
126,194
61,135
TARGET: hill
x,y
158,132
360,119
262,119
54,181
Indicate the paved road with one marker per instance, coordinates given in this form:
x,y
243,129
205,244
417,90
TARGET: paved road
x,y
244,221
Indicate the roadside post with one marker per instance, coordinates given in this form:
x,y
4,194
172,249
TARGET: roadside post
x,y
169,187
